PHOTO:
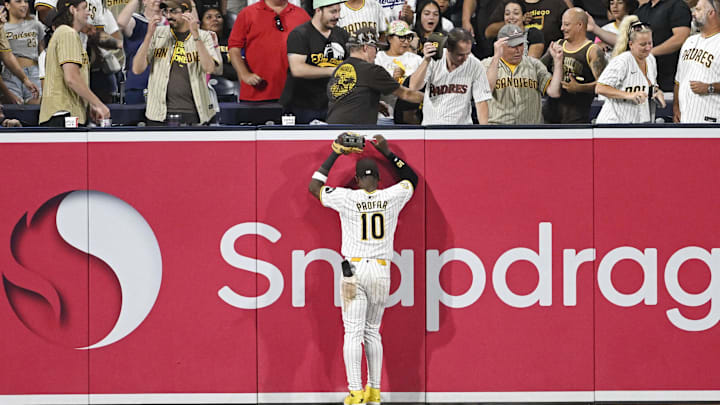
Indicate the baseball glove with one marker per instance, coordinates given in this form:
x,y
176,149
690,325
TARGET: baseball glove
x,y
348,142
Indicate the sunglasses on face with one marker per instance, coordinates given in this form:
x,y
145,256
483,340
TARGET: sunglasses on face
x,y
408,37
278,23
638,26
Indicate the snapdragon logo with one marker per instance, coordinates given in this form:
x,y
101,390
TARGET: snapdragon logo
x,y
56,243
541,258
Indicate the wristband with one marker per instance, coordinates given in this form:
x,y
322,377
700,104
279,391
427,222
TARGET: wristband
x,y
319,176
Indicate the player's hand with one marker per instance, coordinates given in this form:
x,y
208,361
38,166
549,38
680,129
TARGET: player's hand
x,y
348,290
252,79
571,86
498,46
699,87
429,50
659,96
381,144
637,97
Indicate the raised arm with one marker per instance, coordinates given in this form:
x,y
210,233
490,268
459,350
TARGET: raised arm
x,y
403,170
319,178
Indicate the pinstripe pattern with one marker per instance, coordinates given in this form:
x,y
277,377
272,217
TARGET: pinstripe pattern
x,y
4,43
699,61
623,73
368,222
95,8
362,319
371,14
160,59
64,47
517,97
448,95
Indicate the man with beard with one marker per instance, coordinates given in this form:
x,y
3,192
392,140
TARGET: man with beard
x,y
314,50
181,54
697,83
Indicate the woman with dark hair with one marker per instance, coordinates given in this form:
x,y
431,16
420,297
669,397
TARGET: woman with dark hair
x,y
607,34
535,40
26,35
427,20
213,20
67,71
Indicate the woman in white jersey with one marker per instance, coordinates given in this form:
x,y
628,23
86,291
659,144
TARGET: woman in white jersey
x,y
399,60
630,80
25,35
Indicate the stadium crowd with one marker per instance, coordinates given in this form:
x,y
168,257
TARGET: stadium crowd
x,y
364,61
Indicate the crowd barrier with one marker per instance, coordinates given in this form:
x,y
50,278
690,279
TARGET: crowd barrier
x,y
562,264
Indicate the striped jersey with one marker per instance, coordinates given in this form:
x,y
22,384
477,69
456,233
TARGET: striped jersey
x,y
368,219
370,14
699,61
449,95
624,74
517,96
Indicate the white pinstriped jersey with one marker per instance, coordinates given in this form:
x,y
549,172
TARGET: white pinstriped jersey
x,y
368,220
99,15
699,61
370,14
448,95
624,74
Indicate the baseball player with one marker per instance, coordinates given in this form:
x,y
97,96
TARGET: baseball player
x,y
630,80
519,81
697,81
368,217
356,14
453,82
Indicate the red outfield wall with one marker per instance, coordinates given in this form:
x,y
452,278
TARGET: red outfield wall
x,y
535,266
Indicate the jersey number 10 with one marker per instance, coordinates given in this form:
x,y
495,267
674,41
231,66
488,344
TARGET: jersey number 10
x,y
376,223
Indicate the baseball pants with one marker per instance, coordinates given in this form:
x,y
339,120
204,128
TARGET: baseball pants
x,y
361,320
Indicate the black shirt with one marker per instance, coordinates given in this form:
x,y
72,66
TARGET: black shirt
x,y
666,15
320,51
547,17
571,108
354,92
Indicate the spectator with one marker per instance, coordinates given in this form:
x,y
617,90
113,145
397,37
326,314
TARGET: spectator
x,y
356,14
399,61
26,36
519,81
607,34
629,82
11,63
356,85
583,63
181,54
545,15
481,9
67,70
697,83
134,26
535,40
445,22
399,10
428,21
213,20
261,30
452,82
314,49
670,22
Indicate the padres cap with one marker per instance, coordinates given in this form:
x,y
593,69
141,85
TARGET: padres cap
x,y
399,28
325,3
366,167
365,36
513,33
184,5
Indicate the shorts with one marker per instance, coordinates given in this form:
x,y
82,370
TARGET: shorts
x,y
15,85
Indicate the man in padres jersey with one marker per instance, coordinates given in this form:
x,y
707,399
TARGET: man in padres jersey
x,y
697,82
368,217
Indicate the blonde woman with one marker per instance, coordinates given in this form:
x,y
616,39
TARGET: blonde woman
x,y
630,80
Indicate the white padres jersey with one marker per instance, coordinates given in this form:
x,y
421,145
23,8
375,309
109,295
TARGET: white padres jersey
x,y
99,16
368,220
699,61
370,14
624,74
448,95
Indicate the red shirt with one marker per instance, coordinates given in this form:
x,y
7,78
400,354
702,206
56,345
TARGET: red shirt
x,y
265,46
